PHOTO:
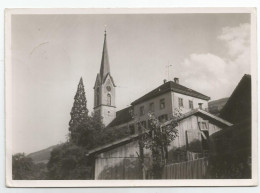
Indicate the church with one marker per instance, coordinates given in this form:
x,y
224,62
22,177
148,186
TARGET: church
x,y
162,101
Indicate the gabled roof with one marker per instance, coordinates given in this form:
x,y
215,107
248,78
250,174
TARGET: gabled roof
x,y
167,87
109,75
204,114
122,116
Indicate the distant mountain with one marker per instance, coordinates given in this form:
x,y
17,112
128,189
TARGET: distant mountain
x,y
42,156
216,106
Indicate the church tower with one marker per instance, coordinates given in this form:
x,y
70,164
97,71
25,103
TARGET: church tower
x,y
104,89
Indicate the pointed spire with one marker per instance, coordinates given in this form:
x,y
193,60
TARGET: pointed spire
x,y
104,68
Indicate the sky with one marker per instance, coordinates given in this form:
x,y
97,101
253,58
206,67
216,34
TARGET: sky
x,y
207,52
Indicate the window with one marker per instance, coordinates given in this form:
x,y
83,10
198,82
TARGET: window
x,y
191,104
97,96
162,104
180,102
108,99
203,125
163,118
205,140
200,105
141,110
151,107
204,128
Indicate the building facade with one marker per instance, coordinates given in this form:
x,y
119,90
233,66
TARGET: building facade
x,y
166,100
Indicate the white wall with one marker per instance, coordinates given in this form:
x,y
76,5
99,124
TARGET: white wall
x,y
186,100
171,102
157,111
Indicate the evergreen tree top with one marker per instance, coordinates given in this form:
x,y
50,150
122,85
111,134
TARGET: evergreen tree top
x,y
79,111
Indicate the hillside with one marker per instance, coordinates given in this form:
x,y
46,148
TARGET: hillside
x,y
216,106
42,156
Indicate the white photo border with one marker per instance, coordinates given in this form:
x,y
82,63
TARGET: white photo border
x,y
126,183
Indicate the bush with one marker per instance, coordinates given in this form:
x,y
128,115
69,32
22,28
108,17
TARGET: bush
x,y
69,162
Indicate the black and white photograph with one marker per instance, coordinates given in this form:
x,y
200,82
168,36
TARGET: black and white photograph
x,y
123,97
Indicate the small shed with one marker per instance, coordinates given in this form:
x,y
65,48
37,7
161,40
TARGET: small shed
x,y
194,131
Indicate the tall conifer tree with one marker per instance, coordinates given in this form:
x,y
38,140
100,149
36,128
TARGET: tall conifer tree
x,y
79,111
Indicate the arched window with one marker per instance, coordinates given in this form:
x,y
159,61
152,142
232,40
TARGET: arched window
x,y
108,99
97,96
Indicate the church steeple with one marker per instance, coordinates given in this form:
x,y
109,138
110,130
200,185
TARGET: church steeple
x,y
104,89
105,67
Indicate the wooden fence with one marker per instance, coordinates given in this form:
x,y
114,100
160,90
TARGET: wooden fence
x,y
195,169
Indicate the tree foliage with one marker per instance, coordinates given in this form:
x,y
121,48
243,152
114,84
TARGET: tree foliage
x,y
79,111
236,165
157,137
69,162
23,168
92,133
88,132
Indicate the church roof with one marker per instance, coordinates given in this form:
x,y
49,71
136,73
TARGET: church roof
x,y
105,67
167,87
122,116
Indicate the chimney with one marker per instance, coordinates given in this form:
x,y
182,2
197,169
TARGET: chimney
x,y
200,105
164,81
176,80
